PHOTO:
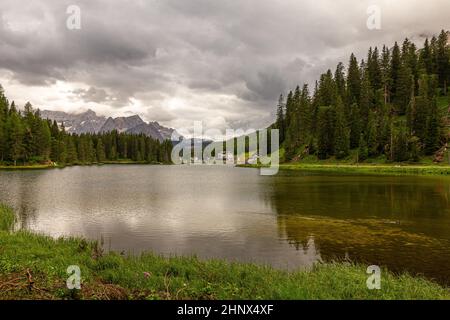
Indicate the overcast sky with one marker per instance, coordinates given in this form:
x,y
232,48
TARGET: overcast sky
x,y
175,61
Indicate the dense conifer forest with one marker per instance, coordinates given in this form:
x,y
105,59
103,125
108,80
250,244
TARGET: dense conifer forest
x,y
26,139
392,106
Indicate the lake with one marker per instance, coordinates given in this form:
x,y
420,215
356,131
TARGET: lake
x,y
291,220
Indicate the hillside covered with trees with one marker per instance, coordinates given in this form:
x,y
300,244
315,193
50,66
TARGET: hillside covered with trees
x,y
391,106
26,138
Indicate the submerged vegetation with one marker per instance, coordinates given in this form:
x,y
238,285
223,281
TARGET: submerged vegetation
x,y
34,266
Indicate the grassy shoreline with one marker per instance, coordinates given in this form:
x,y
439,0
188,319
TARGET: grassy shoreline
x,y
29,167
57,166
34,267
370,169
328,167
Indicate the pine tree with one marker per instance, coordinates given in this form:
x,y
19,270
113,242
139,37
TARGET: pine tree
x,y
434,54
443,61
414,147
305,115
385,134
43,138
353,81
314,106
363,150
30,144
403,88
420,109
400,147
395,70
433,129
386,74
339,79
4,106
372,136
293,128
366,100
122,147
426,59
72,156
341,132
325,140
15,137
328,93
409,56
289,110
280,119
374,69
355,125
100,151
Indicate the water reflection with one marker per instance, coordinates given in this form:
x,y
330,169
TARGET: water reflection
x,y
291,220
398,222
207,211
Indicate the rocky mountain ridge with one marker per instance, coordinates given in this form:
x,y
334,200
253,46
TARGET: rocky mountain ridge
x,y
90,122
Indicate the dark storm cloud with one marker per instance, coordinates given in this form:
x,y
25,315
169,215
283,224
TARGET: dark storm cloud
x,y
222,59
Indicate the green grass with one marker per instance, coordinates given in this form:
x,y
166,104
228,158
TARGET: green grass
x,y
34,266
7,218
48,166
372,166
127,161
27,167
442,102
374,169
366,169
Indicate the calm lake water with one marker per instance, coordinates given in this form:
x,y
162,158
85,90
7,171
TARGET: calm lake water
x,y
289,221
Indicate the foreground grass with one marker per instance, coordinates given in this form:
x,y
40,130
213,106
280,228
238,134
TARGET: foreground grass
x,y
34,266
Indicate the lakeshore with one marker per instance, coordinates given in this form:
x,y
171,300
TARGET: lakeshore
x,y
373,169
34,266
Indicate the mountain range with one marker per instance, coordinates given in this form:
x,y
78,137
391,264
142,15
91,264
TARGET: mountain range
x,y
90,122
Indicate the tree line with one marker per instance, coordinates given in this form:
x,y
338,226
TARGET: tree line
x,y
26,138
383,106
